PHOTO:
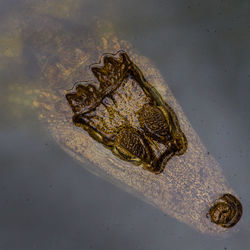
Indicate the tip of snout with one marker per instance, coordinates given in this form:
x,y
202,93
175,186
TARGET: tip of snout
x,y
226,211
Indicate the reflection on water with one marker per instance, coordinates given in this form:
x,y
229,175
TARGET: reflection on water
x,y
49,46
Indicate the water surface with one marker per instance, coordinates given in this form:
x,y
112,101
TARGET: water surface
x,y
49,201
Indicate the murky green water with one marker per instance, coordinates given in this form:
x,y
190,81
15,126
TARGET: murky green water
x,y
48,201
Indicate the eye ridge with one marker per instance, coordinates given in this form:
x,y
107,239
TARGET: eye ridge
x,y
136,113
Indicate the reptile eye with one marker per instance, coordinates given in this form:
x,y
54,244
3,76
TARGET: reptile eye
x,y
154,122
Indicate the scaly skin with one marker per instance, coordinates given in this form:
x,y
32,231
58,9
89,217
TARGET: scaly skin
x,y
190,183
126,114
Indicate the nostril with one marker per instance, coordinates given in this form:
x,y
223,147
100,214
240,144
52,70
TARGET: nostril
x,y
226,211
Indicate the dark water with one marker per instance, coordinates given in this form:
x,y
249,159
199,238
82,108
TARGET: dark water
x,y
49,202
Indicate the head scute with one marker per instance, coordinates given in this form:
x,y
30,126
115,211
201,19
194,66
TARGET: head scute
x,y
111,71
127,115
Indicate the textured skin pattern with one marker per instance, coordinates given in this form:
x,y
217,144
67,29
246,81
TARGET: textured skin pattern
x,y
190,183
123,113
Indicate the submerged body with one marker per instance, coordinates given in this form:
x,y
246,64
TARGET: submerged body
x,y
189,184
